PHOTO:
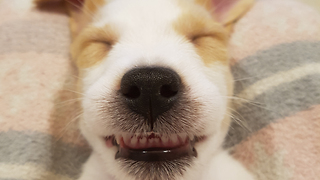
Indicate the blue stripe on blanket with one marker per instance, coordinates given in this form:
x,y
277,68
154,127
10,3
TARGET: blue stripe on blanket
x,y
279,102
274,60
43,149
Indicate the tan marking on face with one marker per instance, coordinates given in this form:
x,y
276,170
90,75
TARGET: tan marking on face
x,y
80,17
205,3
208,37
92,45
91,6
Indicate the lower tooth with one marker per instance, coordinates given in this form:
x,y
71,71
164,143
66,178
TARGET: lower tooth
x,y
118,138
174,139
126,138
143,141
165,139
134,140
183,137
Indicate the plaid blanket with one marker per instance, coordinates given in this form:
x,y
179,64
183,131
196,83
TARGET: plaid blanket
x,y
276,63
276,52
39,138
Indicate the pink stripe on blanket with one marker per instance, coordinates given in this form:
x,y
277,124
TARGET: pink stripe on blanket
x,y
13,10
272,22
35,87
288,149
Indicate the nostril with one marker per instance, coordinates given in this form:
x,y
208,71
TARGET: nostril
x,y
132,92
150,91
167,91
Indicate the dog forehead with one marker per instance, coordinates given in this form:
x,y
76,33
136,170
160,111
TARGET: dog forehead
x,y
140,15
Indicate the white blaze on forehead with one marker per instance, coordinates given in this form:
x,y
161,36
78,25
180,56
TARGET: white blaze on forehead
x,y
134,16
146,36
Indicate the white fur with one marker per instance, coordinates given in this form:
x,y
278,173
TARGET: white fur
x,y
221,167
148,38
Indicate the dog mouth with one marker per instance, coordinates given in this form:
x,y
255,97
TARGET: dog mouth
x,y
153,146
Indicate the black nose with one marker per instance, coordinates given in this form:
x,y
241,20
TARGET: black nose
x,y
150,91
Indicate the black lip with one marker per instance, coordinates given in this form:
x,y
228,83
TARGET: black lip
x,y
152,154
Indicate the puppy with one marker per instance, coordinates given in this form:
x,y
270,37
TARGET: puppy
x,y
156,84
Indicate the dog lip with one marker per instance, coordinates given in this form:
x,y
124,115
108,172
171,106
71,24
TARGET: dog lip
x,y
157,154
153,147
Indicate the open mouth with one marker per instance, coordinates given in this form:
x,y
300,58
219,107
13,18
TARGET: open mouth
x,y
153,146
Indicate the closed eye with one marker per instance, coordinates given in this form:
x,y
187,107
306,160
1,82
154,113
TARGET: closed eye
x,y
196,38
93,45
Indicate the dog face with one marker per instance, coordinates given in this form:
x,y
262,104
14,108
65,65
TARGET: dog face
x,y
155,83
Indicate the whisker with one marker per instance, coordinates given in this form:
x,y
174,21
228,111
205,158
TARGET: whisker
x,y
69,101
242,123
256,104
75,92
247,78
64,130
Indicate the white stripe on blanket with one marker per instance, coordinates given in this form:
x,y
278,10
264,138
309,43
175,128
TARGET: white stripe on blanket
x,y
27,171
282,77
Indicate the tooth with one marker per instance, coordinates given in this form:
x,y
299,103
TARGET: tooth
x,y
134,140
164,139
143,141
156,140
183,137
174,139
118,138
126,138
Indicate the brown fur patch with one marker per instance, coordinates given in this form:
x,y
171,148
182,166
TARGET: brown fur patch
x,y
208,36
82,15
92,5
205,3
238,11
234,10
92,45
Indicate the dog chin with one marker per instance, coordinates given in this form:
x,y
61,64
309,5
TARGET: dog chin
x,y
153,157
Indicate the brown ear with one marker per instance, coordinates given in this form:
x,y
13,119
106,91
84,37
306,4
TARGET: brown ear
x,y
80,11
227,12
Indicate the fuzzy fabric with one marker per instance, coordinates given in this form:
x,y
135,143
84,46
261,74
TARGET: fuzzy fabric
x,y
39,138
276,63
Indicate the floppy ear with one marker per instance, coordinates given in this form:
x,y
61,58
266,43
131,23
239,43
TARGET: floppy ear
x,y
71,7
81,12
227,12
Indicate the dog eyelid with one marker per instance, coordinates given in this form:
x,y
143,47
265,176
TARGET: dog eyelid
x,y
195,37
108,43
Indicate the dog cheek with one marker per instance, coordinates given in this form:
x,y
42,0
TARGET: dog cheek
x,y
92,120
92,54
211,50
215,104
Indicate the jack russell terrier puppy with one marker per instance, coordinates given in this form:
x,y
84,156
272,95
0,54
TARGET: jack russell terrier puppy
x,y
156,86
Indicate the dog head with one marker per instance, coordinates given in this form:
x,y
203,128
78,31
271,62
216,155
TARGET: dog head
x,y
155,80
